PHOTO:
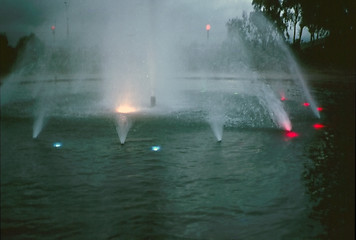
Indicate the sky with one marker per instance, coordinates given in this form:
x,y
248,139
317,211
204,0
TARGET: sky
x,y
94,20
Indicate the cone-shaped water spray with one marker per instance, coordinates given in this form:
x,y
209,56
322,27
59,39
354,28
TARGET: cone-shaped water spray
x,y
123,125
123,121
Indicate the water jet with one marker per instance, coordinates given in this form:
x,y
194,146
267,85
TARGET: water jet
x,y
123,125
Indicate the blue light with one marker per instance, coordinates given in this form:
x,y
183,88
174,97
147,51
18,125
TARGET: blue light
x,y
155,148
57,144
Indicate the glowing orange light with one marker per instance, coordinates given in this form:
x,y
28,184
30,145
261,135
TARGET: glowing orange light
x,y
306,104
208,27
319,109
53,27
318,126
291,134
125,109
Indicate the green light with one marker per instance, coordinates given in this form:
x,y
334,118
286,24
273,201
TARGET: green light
x,y
57,144
155,148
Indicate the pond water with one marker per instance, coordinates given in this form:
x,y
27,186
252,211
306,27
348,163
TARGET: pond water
x,y
173,180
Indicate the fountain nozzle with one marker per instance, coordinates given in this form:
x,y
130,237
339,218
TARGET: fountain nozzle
x,y
153,101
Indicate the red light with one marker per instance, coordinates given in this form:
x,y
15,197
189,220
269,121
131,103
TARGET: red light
x,y
208,27
306,104
319,109
283,96
318,126
291,134
53,27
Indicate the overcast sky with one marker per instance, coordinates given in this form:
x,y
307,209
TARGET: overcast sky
x,y
94,19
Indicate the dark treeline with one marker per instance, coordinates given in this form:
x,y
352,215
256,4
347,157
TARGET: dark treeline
x,y
259,40
32,56
253,42
330,23
7,55
30,45
322,18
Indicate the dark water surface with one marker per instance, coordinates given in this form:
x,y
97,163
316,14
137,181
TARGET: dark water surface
x,y
256,184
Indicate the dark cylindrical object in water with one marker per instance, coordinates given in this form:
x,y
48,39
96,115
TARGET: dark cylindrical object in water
x,y
153,101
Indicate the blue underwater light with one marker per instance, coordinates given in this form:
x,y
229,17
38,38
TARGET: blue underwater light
x,y
57,144
155,148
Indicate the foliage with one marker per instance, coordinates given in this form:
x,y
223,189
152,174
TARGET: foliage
x,y
32,56
321,17
7,55
30,49
259,42
331,25
272,9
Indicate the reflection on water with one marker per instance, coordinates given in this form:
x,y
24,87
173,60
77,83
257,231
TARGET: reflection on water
x,y
330,173
247,186
255,184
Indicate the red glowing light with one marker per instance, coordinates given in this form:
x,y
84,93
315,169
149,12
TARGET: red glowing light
x,y
283,96
53,27
208,27
291,134
319,109
306,104
318,125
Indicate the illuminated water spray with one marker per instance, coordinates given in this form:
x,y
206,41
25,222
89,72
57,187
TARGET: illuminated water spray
x,y
123,121
300,79
38,124
274,107
41,114
216,122
123,126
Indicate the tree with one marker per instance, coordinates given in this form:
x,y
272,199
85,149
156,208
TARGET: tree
x,y
292,12
29,50
272,10
238,27
311,12
7,55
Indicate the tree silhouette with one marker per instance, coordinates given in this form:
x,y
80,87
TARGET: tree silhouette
x,y
272,10
7,55
292,13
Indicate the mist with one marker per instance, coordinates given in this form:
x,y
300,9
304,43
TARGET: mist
x,y
91,19
132,45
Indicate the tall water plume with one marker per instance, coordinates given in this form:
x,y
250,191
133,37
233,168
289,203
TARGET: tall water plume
x,y
127,53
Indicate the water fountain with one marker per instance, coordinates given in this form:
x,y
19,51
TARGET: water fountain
x,y
123,121
216,122
124,124
148,108
145,63
39,122
299,77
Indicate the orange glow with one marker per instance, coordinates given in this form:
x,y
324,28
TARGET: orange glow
x,y
125,109
208,27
